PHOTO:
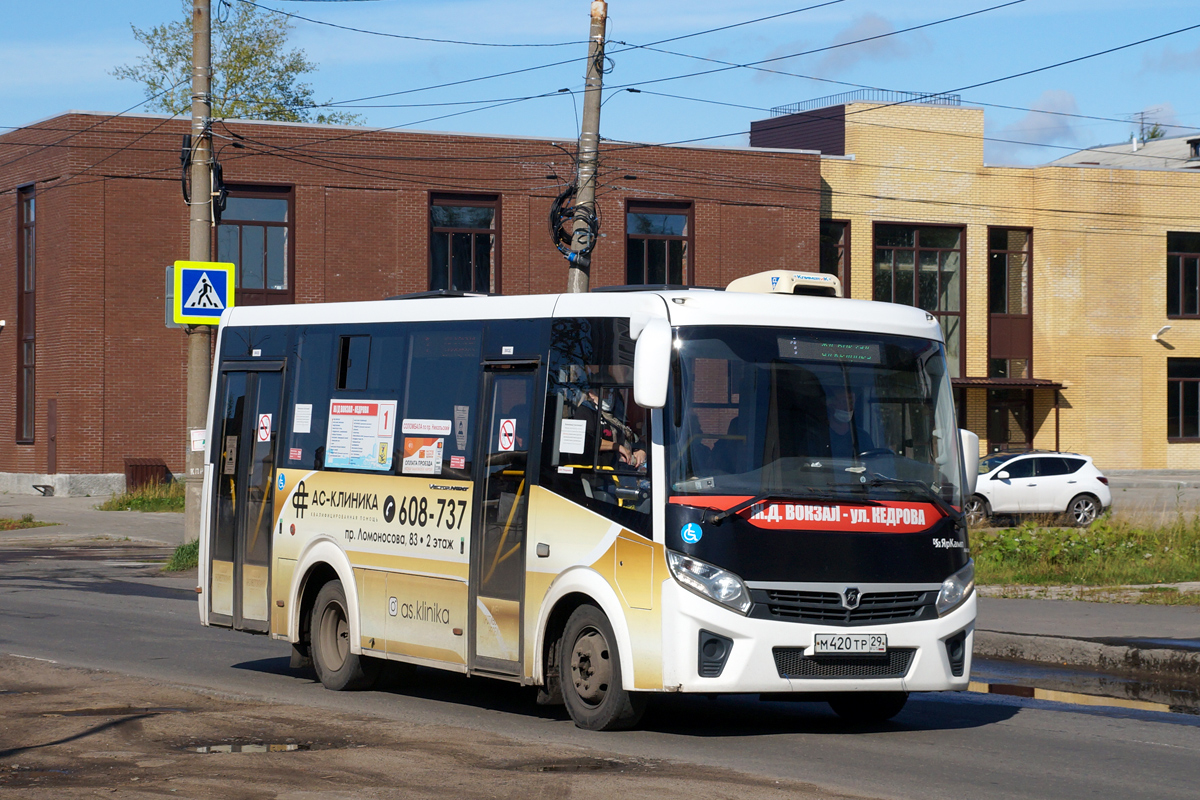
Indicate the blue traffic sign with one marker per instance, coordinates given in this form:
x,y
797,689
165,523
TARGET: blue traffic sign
x,y
203,290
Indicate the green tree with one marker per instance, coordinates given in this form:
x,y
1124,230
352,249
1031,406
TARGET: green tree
x,y
255,75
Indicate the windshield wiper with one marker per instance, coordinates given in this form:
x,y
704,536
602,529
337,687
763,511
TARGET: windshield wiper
x,y
718,518
946,508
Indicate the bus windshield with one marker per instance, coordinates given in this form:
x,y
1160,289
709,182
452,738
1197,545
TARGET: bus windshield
x,y
811,413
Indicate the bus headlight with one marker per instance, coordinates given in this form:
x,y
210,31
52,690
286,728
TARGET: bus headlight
x,y
956,589
713,583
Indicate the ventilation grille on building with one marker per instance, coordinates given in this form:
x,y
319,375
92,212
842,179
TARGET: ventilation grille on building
x,y
792,663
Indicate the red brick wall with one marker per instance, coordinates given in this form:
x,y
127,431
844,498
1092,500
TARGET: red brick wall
x,y
111,218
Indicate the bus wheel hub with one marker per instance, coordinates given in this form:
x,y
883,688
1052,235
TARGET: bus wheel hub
x,y
591,670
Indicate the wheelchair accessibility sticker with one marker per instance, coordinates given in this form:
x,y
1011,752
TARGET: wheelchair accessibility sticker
x,y
691,533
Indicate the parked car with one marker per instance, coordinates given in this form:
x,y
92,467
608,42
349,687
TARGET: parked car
x,y
1036,482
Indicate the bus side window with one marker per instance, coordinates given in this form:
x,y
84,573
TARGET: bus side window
x,y
596,440
443,387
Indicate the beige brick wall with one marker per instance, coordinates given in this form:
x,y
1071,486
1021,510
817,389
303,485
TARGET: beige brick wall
x,y
1099,257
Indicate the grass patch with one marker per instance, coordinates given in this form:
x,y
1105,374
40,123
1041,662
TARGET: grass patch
x,y
186,556
1109,553
151,497
26,521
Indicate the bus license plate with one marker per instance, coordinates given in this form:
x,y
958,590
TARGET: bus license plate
x,y
826,643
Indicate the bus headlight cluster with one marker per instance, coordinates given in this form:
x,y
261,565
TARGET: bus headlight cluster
x,y
956,589
713,583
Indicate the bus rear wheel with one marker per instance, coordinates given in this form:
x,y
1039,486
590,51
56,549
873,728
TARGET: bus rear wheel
x,y
868,707
591,675
337,667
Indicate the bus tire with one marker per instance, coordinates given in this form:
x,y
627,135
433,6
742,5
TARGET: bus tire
x,y
590,675
337,667
868,707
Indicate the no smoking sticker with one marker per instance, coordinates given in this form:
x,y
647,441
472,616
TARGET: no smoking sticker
x,y
264,427
508,436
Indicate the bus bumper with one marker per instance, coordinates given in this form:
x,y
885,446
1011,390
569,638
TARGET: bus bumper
x,y
769,656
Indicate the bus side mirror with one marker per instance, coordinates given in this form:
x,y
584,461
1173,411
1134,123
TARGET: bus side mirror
x,y
652,364
970,454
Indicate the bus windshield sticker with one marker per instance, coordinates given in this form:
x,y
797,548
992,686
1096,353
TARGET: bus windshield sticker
x,y
427,427
574,435
423,455
846,352
231,455
302,418
361,434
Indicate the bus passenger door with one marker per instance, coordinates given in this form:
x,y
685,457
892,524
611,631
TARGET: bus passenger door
x,y
246,423
498,549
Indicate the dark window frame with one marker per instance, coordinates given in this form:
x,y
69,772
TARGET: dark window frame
x,y
917,249
264,296
1177,395
843,248
676,207
1028,253
26,285
484,200
1186,258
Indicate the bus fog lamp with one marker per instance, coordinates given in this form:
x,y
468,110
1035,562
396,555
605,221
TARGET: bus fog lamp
x,y
709,582
956,589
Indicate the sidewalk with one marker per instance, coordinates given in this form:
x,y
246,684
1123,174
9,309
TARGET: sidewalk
x,y
1108,637
78,518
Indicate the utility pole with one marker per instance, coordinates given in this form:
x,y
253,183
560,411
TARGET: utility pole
x,y
584,231
199,368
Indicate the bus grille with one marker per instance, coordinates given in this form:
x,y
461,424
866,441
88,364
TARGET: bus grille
x,y
792,663
826,607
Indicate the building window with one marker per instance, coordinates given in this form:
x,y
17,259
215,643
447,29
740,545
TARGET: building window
x,y
835,251
922,267
464,243
658,243
255,235
1183,274
1010,294
26,294
1183,399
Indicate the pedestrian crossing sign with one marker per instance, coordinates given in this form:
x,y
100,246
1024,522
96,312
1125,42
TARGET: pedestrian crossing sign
x,y
203,290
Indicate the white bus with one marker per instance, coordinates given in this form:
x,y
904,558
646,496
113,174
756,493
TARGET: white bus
x,y
604,495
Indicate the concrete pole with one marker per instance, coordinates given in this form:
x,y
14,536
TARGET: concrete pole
x,y
579,273
199,367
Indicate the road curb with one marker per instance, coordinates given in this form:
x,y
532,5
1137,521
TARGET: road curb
x,y
1086,653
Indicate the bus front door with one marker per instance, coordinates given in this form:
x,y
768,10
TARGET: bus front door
x,y
498,551
246,423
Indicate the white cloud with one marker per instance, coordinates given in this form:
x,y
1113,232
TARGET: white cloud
x,y
888,48
1041,125
1171,60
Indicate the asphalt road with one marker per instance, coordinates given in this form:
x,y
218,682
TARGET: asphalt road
x,y
104,607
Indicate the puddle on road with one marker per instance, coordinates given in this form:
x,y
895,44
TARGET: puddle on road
x,y
116,711
1081,687
265,747
577,765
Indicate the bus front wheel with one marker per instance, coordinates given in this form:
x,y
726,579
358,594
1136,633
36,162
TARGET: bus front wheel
x,y
868,707
590,671
337,667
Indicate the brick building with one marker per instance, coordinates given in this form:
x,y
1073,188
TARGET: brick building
x,y
318,213
1052,282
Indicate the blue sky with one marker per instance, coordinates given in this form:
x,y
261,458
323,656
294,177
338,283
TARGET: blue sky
x,y
57,55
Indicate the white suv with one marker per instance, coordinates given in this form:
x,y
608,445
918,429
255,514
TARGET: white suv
x,y
1039,483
